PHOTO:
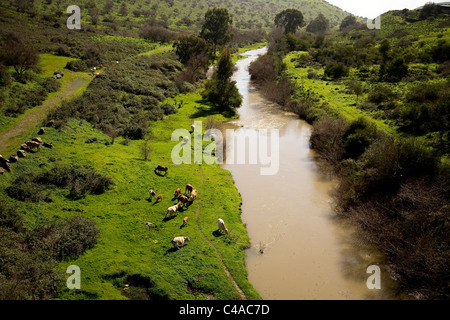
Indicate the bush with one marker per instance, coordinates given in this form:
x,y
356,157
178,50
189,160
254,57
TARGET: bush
x,y
67,238
76,65
358,137
336,70
327,139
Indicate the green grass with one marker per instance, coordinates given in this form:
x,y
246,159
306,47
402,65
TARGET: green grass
x,y
126,246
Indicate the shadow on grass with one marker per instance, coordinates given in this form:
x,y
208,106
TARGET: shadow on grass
x,y
206,109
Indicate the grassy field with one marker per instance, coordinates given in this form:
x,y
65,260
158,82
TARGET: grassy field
x,y
130,260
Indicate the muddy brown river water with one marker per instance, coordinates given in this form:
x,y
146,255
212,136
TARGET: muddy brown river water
x,y
299,249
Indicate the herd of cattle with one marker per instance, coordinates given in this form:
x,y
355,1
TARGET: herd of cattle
x,y
27,146
183,201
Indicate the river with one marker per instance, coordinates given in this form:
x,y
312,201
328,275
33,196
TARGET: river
x,y
299,249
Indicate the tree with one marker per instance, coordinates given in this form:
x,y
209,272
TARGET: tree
x,y
319,24
146,149
220,90
290,20
348,21
336,70
15,53
216,28
430,9
187,47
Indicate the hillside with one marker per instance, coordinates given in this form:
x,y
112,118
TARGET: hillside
x,y
187,15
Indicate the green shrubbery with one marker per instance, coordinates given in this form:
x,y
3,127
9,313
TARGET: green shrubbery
x,y
78,180
124,99
29,255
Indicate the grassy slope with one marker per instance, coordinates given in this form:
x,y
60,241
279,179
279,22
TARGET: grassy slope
x,y
247,14
334,93
126,247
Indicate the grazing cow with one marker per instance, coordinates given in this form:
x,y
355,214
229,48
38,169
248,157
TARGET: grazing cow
x,y
189,188
158,198
24,147
33,144
51,123
41,130
152,193
177,193
162,168
21,153
37,139
13,158
179,241
148,224
185,220
193,195
183,199
173,209
48,145
192,127
221,225
4,164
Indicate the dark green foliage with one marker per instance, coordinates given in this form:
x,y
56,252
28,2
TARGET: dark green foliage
x,y
66,238
319,24
187,47
359,135
79,180
76,65
290,20
348,22
429,10
336,70
441,52
29,255
220,90
216,27
124,99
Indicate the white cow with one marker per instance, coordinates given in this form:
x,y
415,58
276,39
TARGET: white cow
x,y
179,241
221,225
192,127
173,209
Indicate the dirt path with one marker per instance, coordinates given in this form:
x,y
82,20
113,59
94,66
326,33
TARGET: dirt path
x,y
26,124
227,272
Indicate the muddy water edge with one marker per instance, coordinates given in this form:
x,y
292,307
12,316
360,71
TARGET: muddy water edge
x,y
299,249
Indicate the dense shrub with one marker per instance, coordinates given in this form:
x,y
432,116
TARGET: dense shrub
x,y
79,180
359,135
336,70
29,255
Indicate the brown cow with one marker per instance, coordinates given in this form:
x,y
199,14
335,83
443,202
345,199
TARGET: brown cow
x,y
37,139
183,199
33,144
185,220
189,188
21,153
162,168
177,193
158,198
193,195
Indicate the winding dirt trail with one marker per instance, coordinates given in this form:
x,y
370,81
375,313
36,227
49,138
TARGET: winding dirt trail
x,y
227,272
26,124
